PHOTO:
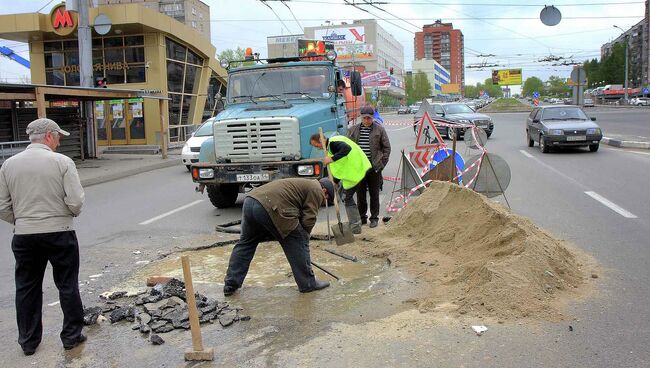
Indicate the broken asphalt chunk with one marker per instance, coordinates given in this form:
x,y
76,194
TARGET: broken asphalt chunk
x,y
156,340
91,314
121,313
227,318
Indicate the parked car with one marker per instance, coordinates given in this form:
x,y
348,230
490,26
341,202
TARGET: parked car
x,y
562,126
455,112
191,149
403,110
415,108
640,101
588,102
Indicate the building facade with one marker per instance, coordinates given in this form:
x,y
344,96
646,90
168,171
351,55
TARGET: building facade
x,y
437,75
638,43
444,44
364,45
144,50
193,13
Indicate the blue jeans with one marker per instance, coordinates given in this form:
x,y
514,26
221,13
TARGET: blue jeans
x,y
256,227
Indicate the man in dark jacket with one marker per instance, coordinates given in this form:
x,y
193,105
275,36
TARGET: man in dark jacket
x,y
286,210
373,140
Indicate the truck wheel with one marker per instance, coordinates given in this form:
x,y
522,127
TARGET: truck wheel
x,y
223,195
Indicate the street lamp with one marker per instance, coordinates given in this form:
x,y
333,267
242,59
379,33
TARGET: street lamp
x,y
626,42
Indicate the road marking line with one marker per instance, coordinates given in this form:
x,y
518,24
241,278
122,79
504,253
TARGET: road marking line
x,y
639,153
53,303
526,154
147,222
613,206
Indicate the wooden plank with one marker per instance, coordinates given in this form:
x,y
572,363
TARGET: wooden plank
x,y
40,103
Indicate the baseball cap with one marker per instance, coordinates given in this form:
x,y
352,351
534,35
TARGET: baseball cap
x,y
44,125
367,111
329,187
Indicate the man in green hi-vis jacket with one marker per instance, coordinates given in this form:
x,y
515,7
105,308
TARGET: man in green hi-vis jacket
x,y
349,165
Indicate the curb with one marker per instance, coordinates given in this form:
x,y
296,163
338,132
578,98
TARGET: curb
x,y
123,174
625,144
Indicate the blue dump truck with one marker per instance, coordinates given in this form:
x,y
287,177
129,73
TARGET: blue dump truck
x,y
272,107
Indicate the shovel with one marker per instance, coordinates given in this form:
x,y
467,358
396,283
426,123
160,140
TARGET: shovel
x,y
342,230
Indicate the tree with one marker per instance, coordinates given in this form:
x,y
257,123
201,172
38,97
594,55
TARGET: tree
x,y
557,86
471,91
409,90
237,54
492,89
421,86
531,85
610,69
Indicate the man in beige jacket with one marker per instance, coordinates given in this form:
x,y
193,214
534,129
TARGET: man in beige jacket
x,y
40,194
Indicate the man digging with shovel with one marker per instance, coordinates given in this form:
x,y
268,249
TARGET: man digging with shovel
x,y
284,209
349,164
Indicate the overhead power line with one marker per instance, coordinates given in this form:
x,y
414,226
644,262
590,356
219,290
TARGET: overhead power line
x,y
422,19
514,5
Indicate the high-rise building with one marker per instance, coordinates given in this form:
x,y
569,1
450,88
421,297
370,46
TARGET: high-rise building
x,y
444,44
193,13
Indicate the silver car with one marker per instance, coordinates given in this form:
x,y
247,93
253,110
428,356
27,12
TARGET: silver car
x,y
562,126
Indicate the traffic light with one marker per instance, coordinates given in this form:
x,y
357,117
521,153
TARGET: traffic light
x,y
101,82
391,70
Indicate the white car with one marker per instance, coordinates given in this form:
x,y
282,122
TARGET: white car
x,y
191,149
588,102
640,101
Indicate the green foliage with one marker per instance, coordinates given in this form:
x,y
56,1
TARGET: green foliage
x,y
557,86
471,91
531,85
237,54
421,86
409,89
610,69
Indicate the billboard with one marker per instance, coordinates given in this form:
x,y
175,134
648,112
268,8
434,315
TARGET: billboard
x,y
349,42
506,77
451,88
312,48
380,79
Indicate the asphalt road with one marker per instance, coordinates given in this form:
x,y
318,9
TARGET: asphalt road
x,y
596,200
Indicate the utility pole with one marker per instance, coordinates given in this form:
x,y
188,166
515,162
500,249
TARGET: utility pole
x,y
86,70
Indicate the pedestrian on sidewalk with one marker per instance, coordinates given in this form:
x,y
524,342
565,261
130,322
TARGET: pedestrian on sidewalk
x,y
284,210
348,164
40,194
373,141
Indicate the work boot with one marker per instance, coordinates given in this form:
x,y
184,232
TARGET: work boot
x,y
373,223
228,290
364,220
354,218
78,341
317,286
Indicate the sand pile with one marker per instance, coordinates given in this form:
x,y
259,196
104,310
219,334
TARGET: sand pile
x,y
472,256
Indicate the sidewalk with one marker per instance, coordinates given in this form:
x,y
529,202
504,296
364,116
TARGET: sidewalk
x,y
116,166
626,141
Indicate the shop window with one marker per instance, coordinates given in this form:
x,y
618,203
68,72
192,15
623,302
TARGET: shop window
x,y
114,76
134,54
70,45
174,109
174,76
114,55
54,78
54,60
191,78
193,58
113,42
53,46
98,57
134,40
188,103
73,79
175,50
72,58
136,74
98,43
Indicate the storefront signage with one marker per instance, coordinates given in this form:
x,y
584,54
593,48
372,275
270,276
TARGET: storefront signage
x,y
63,22
97,67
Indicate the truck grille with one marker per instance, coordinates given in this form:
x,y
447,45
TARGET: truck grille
x,y
262,139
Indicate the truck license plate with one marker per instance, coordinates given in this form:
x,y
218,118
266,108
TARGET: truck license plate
x,y
576,138
252,177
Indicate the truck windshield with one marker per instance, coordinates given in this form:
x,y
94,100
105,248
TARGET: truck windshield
x,y
285,82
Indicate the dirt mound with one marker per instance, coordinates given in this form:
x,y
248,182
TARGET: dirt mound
x,y
480,259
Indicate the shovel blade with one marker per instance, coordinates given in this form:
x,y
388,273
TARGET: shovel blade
x,y
342,233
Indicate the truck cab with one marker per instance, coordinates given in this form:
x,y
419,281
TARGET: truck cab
x,y
271,111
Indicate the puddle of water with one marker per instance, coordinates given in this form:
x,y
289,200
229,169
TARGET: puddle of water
x,y
367,289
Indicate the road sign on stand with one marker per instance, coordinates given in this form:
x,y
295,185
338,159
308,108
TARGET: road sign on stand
x,y
535,95
428,135
536,102
421,158
645,91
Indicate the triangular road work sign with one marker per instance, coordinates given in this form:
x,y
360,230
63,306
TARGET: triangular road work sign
x,y
428,135
410,177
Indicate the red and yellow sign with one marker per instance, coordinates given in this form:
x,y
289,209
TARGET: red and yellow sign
x,y
63,22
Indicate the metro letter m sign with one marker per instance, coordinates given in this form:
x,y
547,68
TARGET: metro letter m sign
x,y
62,18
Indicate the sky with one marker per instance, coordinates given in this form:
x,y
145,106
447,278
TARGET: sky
x,y
509,30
